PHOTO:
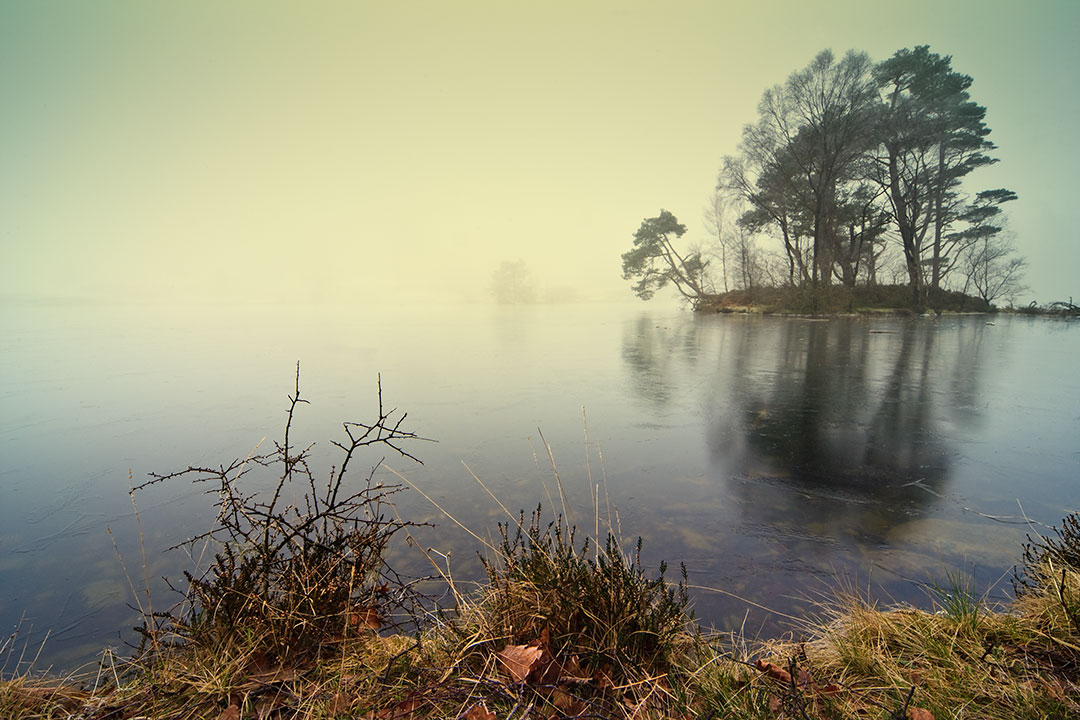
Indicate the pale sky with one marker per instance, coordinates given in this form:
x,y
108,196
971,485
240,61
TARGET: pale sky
x,y
401,150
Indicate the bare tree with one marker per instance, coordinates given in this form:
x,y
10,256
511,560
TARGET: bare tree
x,y
748,260
720,229
992,267
810,140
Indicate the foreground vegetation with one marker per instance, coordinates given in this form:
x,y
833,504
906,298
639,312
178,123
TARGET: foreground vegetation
x,y
299,616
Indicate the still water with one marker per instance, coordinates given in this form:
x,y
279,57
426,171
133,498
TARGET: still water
x,y
778,458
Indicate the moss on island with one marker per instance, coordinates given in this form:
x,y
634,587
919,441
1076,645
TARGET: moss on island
x,y
838,299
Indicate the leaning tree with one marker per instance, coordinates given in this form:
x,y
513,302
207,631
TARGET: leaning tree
x,y
654,261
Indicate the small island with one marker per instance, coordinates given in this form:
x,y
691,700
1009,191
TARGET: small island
x,y
849,193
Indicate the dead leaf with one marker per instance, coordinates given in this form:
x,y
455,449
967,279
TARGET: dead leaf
x,y
400,711
774,671
366,618
339,704
831,689
520,660
602,677
258,662
919,714
479,711
230,713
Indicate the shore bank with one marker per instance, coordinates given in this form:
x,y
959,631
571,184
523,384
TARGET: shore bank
x,y
567,628
875,300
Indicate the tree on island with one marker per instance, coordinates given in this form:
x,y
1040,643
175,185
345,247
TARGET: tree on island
x,y
654,262
932,135
989,261
846,160
801,162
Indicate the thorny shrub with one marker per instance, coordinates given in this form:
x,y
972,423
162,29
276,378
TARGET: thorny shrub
x,y
299,563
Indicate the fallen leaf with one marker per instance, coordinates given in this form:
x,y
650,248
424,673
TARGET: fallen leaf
x,y
340,703
602,677
831,689
258,662
365,618
479,711
230,713
520,660
919,714
773,671
402,710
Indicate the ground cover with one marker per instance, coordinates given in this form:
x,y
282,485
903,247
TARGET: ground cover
x,y
836,299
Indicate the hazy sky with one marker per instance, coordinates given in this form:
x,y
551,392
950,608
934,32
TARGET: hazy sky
x,y
401,150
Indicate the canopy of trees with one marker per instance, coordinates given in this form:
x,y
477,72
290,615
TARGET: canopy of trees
x,y
848,164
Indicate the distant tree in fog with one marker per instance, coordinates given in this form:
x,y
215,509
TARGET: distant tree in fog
x,y
512,282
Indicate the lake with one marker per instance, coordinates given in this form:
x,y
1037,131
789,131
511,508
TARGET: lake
x,y
778,458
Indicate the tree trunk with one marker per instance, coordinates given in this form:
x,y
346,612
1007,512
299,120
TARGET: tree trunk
x,y
939,221
906,226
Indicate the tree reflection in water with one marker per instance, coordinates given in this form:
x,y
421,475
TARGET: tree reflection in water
x,y
823,446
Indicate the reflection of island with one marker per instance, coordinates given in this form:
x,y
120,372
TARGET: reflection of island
x,y
826,440
835,414
839,437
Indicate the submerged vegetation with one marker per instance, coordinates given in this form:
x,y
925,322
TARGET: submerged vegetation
x,y
300,616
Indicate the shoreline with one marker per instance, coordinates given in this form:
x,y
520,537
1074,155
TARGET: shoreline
x,y
884,300
536,636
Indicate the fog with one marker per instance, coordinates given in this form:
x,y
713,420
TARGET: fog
x,y
400,152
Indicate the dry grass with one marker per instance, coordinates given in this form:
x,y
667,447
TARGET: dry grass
x,y
519,649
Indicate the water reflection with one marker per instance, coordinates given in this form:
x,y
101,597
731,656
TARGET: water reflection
x,y
825,419
650,351
765,452
826,439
